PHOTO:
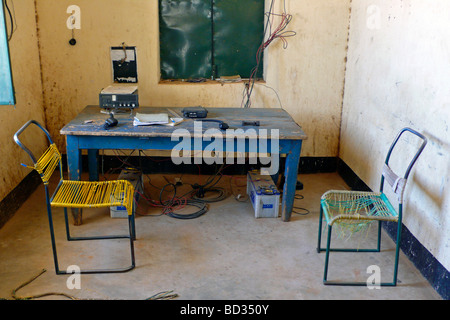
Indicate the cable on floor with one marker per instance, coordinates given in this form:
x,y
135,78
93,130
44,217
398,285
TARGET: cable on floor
x,y
304,210
164,295
175,203
15,297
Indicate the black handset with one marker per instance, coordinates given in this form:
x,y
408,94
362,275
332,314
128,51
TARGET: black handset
x,y
110,122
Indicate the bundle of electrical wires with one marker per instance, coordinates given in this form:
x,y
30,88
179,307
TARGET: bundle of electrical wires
x,y
198,197
174,205
200,190
279,32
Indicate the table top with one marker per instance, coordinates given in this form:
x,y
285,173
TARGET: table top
x,y
90,122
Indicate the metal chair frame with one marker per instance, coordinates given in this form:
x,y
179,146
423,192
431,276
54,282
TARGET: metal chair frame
x,y
131,217
398,216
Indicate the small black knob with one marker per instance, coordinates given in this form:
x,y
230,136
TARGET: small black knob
x,y
72,42
223,126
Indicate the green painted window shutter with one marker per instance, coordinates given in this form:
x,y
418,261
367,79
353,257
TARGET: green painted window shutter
x,y
210,38
6,84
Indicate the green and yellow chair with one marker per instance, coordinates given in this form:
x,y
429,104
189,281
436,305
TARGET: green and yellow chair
x,y
354,211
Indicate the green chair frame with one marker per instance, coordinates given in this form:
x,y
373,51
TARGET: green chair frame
x,y
390,213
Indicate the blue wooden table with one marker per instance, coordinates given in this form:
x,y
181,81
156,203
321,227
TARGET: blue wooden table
x,y
86,132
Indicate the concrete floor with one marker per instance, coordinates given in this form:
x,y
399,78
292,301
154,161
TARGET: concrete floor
x,y
225,254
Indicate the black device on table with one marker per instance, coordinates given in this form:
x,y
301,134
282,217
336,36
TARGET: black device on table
x,y
110,122
119,97
201,113
195,112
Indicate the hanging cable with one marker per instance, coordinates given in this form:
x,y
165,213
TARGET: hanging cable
x,y
279,33
12,18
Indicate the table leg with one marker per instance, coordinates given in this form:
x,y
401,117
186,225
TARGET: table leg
x,y
74,164
93,164
290,184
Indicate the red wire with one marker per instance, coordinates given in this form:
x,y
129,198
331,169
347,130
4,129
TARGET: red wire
x,y
277,34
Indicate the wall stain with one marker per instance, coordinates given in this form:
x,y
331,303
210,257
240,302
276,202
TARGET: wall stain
x,y
44,108
345,73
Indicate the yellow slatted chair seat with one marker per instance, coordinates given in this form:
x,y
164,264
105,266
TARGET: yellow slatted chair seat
x,y
83,194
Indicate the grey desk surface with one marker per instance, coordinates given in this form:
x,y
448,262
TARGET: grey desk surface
x,y
90,122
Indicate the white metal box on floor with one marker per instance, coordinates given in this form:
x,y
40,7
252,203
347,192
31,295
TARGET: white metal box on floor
x,y
263,195
135,177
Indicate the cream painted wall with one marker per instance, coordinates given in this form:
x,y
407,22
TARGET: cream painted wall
x,y
398,75
308,76
29,104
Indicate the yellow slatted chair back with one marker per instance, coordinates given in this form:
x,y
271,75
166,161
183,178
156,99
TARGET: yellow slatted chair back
x,y
48,162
